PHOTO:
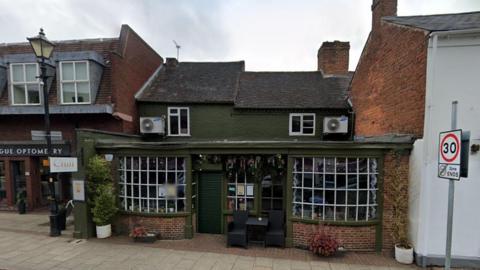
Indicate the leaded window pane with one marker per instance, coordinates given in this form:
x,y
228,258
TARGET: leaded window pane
x,y
337,188
147,185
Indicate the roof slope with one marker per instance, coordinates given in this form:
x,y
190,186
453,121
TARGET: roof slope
x,y
195,82
279,90
440,22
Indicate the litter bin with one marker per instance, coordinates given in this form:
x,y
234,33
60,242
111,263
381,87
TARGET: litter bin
x,y
62,218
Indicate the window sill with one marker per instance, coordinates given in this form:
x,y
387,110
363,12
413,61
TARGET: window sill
x,y
335,223
166,215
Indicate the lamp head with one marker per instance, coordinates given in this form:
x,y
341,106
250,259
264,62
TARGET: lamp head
x,y
41,46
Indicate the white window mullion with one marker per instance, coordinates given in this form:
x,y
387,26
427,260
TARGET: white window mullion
x,y
368,185
358,187
125,181
156,181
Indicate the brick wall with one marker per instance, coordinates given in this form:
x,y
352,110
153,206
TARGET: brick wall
x,y
333,57
388,88
134,64
363,237
350,237
169,227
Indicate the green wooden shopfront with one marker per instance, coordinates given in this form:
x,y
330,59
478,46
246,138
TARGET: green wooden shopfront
x,y
252,141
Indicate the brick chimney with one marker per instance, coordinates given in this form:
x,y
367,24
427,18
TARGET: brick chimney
x,y
333,57
171,63
382,8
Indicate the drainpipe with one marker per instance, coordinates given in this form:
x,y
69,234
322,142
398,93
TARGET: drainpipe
x,y
426,185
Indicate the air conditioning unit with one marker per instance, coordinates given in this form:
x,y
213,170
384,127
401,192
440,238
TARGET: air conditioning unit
x,y
152,125
335,124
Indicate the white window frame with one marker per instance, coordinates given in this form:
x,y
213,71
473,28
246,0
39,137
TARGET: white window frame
x,y
371,208
25,83
75,81
180,134
290,122
151,203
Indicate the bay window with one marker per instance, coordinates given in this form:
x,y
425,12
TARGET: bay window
x,y
152,184
335,188
25,84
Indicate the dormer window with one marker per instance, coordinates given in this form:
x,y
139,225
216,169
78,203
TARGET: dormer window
x,y
25,84
75,82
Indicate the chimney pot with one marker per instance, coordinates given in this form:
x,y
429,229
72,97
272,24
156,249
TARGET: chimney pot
x,y
333,57
171,63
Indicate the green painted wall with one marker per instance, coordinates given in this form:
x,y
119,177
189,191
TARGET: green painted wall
x,y
222,121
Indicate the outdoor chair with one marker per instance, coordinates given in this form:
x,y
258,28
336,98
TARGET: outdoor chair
x,y
275,235
237,229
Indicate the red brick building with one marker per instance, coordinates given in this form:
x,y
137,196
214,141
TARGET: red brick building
x,y
92,86
388,88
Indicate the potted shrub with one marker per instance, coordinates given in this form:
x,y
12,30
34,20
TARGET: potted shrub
x,y
399,187
323,243
140,234
104,209
22,202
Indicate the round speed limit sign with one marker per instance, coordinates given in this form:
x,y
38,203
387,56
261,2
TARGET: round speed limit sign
x,y
450,148
449,154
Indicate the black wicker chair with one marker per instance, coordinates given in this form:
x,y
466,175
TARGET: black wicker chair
x,y
275,235
237,229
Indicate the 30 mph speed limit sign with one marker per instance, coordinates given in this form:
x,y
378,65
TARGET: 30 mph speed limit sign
x,y
449,154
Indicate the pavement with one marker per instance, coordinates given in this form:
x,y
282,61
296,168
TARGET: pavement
x,y
25,245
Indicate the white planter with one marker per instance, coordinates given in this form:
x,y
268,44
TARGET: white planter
x,y
104,231
404,255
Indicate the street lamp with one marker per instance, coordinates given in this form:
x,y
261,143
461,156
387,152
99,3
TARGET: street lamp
x,y
43,49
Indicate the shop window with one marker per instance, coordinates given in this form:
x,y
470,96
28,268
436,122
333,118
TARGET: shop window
x,y
272,193
75,82
335,188
25,84
178,121
240,192
152,184
302,124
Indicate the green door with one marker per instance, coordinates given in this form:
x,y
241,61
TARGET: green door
x,y
209,203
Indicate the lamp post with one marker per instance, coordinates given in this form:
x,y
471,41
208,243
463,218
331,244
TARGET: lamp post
x,y
43,49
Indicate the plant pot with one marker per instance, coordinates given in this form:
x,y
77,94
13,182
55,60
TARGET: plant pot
x,y
22,208
149,238
404,255
104,231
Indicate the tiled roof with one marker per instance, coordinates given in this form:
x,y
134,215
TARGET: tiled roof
x,y
440,22
105,47
227,82
195,82
274,90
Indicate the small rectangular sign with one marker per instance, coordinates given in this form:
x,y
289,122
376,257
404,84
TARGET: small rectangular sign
x,y
449,171
63,164
78,190
449,153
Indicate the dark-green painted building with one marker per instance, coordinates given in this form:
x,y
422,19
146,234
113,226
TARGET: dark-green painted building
x,y
214,138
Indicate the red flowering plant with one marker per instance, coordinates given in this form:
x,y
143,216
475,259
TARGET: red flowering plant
x,y
323,243
138,231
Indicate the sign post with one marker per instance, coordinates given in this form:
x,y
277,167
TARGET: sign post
x,y
449,163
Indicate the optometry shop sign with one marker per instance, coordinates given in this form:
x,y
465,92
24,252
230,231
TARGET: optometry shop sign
x,y
63,164
7,150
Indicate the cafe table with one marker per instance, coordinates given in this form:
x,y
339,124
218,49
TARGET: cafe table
x,y
257,229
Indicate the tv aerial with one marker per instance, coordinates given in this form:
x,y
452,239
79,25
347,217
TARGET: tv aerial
x,y
178,48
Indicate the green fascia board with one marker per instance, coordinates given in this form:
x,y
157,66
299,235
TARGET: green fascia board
x,y
200,146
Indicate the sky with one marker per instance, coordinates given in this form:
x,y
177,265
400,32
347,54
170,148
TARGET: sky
x,y
270,35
